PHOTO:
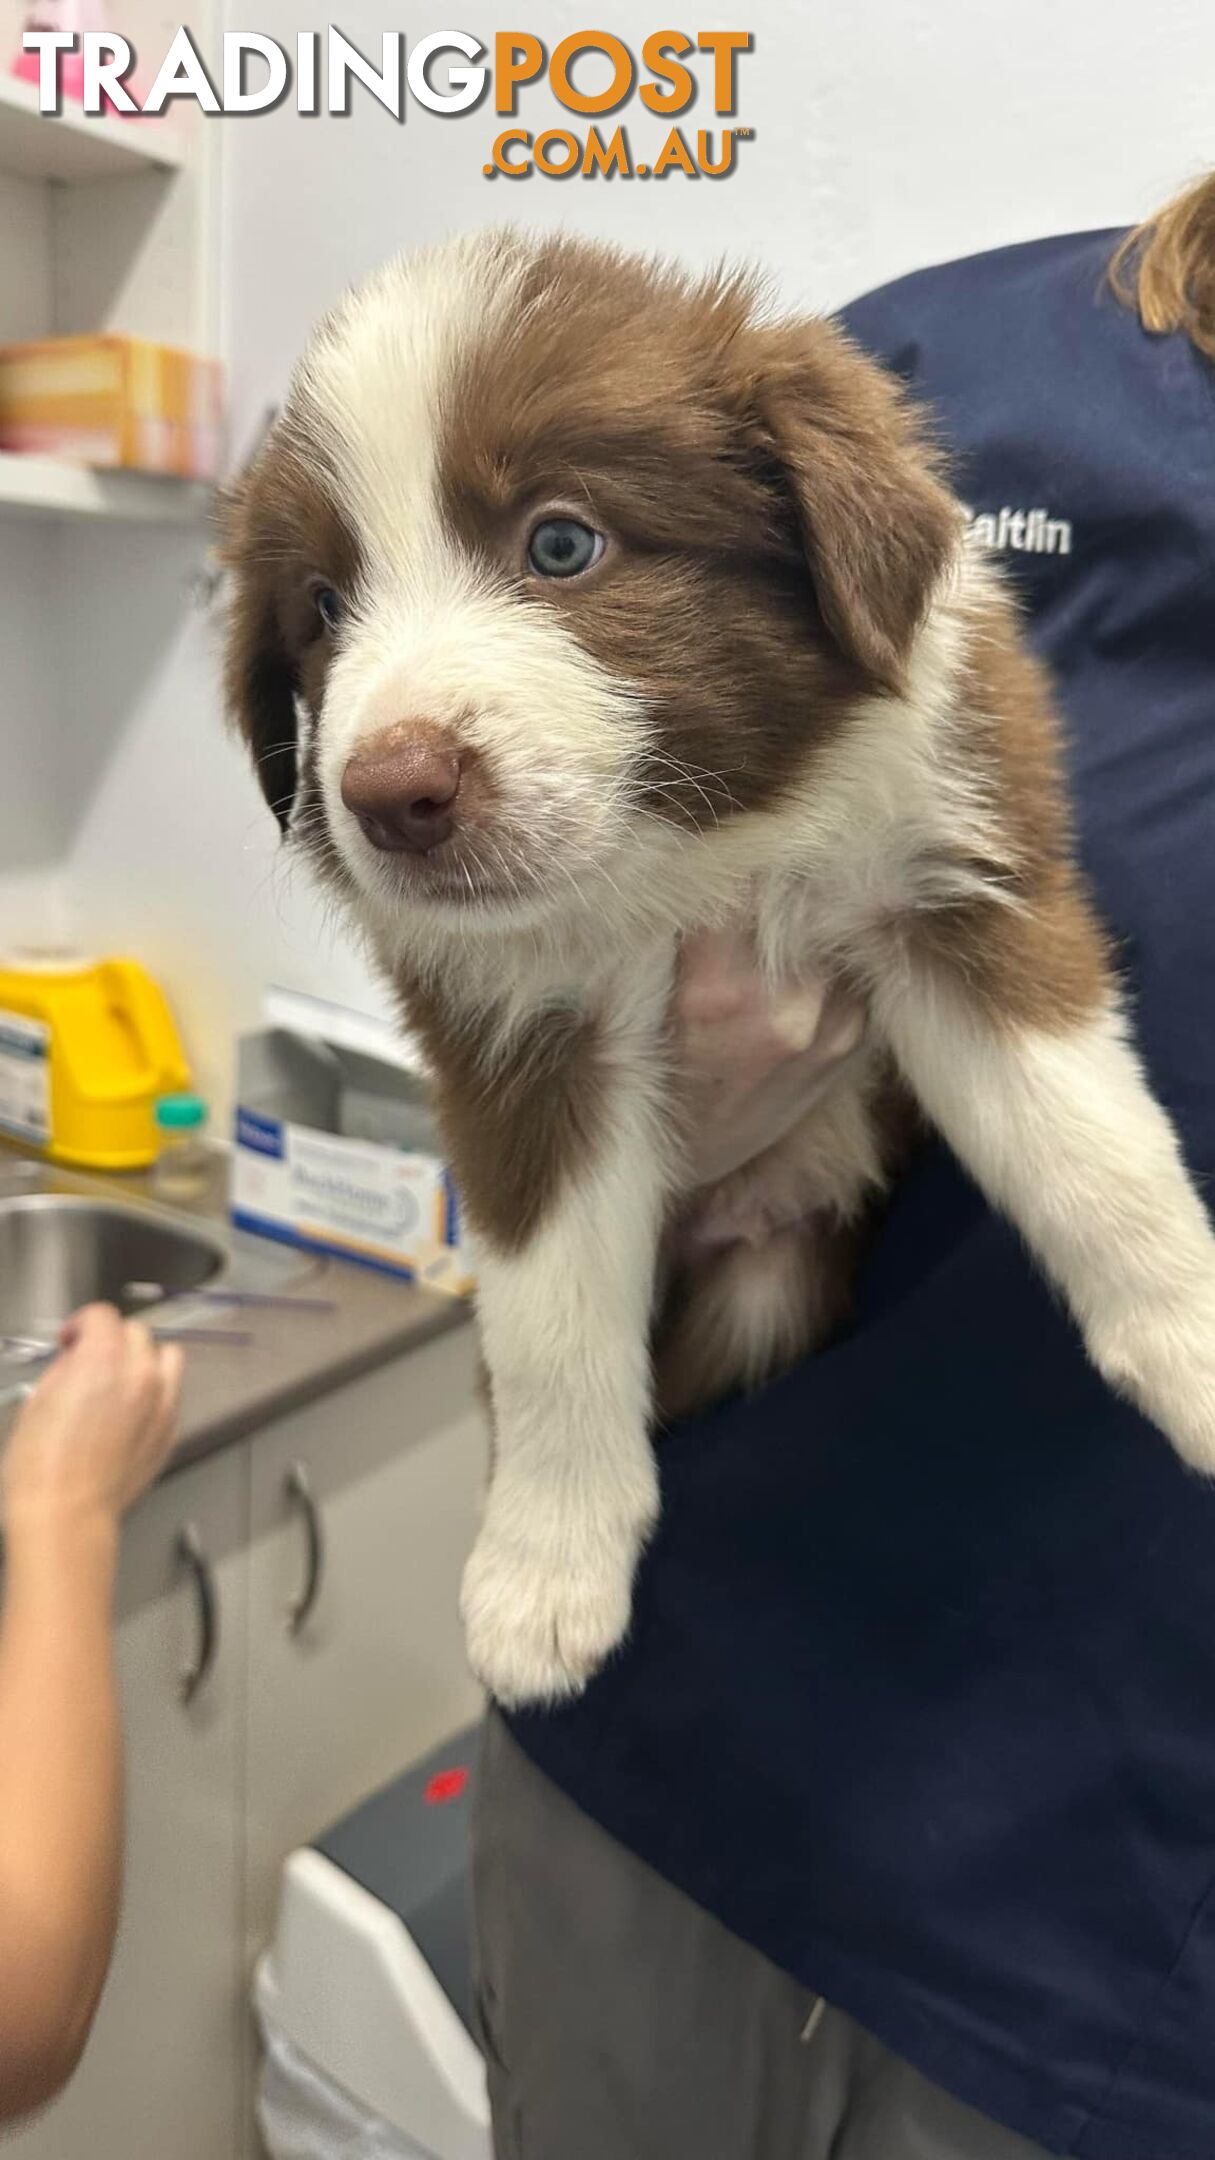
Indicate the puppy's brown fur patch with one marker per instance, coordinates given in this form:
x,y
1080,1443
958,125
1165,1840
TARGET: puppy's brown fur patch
x,y
519,1121
283,534
1043,961
777,517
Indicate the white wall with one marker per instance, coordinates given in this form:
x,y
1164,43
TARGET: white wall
x,y
33,830
886,135
172,856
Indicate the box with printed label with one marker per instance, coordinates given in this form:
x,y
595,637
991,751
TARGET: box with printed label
x,y
25,1078
335,1146
113,401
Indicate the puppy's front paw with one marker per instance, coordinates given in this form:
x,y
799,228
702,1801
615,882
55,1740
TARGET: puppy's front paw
x,y
544,1606
1164,1359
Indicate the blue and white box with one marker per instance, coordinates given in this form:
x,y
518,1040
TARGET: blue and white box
x,y
335,1144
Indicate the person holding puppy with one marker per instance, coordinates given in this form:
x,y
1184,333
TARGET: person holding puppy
x,y
93,1435
890,1835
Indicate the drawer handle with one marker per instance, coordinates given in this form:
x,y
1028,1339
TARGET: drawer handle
x,y
190,1555
298,1488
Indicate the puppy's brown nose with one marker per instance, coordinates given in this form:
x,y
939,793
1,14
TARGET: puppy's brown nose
x,y
402,789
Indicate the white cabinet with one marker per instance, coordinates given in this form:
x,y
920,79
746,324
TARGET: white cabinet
x,y
287,1729
377,1674
160,2079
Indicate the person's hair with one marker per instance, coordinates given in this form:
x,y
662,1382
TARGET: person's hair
x,y
1165,269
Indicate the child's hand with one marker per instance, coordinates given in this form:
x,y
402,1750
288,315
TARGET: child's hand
x,y
98,1426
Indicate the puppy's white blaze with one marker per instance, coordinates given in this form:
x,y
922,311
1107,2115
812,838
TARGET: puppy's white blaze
x,y
444,644
1063,1135
376,371
439,636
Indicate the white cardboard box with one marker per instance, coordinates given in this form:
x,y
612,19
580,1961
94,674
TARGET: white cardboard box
x,y
335,1146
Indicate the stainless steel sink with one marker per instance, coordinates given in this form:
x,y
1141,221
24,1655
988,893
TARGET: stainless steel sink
x,y
66,1240
58,1252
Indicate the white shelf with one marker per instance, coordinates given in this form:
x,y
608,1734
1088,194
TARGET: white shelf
x,y
40,486
70,146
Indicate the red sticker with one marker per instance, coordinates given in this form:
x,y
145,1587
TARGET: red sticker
x,y
445,1785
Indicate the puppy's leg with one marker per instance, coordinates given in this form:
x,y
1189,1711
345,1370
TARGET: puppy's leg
x,y
1056,1122
565,1324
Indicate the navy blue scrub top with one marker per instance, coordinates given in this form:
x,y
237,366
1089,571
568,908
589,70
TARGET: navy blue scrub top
x,y
920,1698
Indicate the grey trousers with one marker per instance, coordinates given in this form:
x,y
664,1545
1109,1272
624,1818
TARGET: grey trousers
x,y
620,2022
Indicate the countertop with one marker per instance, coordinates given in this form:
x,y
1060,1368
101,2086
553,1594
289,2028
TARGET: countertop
x,y
291,1357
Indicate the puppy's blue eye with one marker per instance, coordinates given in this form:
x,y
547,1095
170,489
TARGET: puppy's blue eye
x,y
563,548
329,606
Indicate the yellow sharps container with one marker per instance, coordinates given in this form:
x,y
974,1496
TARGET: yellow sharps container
x,y
86,1049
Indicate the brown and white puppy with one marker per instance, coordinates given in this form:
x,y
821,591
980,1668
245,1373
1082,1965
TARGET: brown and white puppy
x,y
578,604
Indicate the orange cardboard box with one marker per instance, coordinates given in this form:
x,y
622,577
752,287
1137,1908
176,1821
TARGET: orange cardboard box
x,y
113,401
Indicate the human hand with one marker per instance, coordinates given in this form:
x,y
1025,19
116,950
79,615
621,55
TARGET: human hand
x,y
751,1064
98,1426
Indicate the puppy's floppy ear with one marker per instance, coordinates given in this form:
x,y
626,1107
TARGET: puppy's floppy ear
x,y
259,679
876,523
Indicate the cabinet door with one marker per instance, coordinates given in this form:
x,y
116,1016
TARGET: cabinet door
x,y
160,2079
393,1465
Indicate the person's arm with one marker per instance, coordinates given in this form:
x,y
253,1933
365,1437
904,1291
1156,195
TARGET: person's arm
x,y
87,1443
